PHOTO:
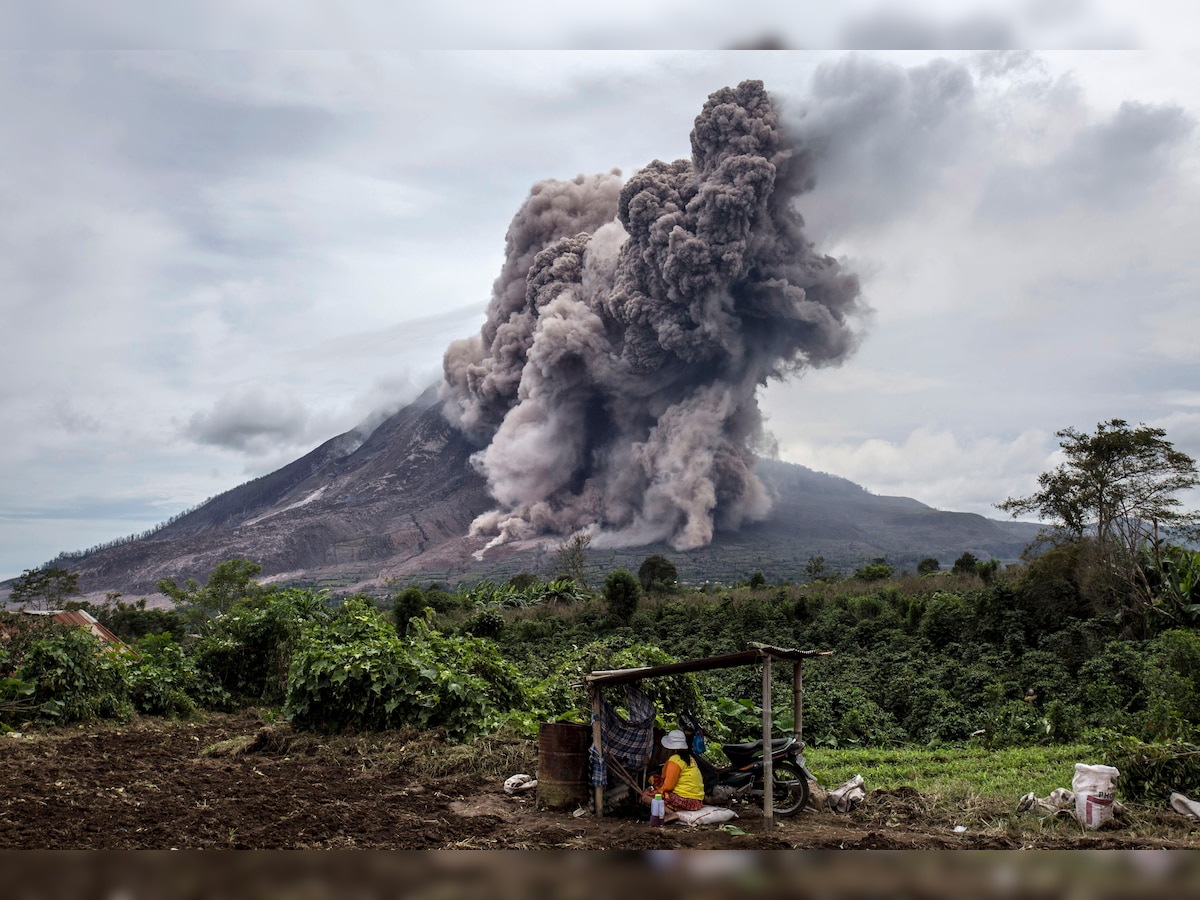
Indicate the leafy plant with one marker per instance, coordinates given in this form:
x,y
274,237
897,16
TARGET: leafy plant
x,y
15,700
355,671
163,680
409,604
248,651
1151,772
485,623
1172,575
75,677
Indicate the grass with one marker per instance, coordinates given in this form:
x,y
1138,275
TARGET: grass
x,y
1000,776
979,789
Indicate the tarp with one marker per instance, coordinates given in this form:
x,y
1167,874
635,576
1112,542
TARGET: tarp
x,y
628,741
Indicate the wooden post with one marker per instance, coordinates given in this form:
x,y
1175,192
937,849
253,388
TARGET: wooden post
x,y
798,703
768,762
597,743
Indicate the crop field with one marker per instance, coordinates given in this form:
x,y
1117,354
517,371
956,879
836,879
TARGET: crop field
x,y
240,781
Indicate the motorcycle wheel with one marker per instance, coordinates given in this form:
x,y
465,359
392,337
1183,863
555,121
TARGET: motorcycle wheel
x,y
790,794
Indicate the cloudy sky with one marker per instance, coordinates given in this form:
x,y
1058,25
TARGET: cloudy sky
x,y
212,260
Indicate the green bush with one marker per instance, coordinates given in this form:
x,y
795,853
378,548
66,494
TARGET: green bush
x,y
835,714
75,677
409,604
657,574
484,623
165,681
1173,685
876,570
356,672
1113,687
945,619
1150,773
621,593
247,652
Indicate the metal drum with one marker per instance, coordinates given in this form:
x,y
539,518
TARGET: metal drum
x,y
563,769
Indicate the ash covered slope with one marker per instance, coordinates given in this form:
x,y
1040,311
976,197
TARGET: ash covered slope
x,y
343,513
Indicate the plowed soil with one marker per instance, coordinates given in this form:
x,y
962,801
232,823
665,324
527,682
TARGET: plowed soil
x,y
238,782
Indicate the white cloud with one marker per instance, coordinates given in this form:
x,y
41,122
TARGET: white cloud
x,y
936,467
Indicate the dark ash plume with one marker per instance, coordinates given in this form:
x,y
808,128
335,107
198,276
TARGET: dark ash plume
x,y
614,381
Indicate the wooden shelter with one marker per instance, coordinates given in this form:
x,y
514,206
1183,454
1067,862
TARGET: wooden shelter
x,y
755,655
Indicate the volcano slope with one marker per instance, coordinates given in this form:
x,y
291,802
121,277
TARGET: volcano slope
x,y
359,513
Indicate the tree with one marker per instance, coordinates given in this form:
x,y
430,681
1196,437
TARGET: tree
x,y
928,566
657,574
1117,486
1117,489
815,569
231,581
967,564
876,570
44,588
987,570
622,592
572,557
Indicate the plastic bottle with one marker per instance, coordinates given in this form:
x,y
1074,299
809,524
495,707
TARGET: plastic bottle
x,y
658,810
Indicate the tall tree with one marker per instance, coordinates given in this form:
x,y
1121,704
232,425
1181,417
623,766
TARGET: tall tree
x,y
657,574
1118,488
573,556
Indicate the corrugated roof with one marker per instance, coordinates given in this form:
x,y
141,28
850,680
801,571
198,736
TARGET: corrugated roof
x,y
79,618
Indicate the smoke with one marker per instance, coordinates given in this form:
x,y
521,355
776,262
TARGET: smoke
x,y
613,385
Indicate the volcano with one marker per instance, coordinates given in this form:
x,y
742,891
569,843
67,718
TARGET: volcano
x,y
396,508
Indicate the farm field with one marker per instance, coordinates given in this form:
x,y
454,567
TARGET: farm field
x,y
236,781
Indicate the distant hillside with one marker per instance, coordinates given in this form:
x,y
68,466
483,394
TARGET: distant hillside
x,y
397,505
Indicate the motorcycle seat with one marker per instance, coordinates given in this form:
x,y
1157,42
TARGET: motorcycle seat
x,y
755,746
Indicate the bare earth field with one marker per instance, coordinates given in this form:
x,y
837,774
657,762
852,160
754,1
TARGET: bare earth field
x,y
237,782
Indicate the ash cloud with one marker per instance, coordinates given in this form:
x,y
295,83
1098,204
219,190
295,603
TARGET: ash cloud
x,y
613,385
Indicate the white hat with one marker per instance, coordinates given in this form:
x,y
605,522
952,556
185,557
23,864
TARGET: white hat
x,y
675,740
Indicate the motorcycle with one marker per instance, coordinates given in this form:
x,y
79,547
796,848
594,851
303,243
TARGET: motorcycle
x,y
743,777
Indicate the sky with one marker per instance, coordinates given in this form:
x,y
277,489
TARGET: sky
x,y
215,257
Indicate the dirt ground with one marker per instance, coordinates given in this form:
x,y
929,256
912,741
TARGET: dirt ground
x,y
239,782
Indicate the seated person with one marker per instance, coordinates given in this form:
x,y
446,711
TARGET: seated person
x,y
681,784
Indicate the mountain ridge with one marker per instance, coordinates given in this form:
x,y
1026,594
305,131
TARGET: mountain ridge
x,y
363,512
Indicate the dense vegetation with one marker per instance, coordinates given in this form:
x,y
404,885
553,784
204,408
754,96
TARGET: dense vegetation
x,y
939,659
1093,639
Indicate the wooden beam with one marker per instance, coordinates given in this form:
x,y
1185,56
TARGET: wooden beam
x,y
768,762
597,742
798,703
